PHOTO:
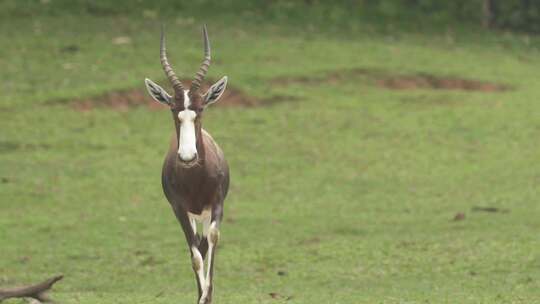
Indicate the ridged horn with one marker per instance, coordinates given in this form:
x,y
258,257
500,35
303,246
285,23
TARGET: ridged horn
x,y
177,85
199,76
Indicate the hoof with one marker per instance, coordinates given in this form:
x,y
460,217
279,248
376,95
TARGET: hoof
x,y
205,301
206,297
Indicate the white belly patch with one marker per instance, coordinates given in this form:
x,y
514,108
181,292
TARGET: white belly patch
x,y
203,219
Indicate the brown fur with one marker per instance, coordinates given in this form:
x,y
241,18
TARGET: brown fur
x,y
202,186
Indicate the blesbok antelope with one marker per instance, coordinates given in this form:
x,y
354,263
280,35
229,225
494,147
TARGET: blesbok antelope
x,y
195,175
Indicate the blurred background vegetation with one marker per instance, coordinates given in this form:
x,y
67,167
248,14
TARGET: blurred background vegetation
x,y
520,15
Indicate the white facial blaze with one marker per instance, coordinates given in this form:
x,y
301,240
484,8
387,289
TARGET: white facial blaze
x,y
187,148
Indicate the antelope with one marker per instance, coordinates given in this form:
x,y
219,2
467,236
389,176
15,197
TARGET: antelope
x,y
195,174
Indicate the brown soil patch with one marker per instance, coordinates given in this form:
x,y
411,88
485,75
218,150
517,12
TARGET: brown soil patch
x,y
126,99
387,80
425,81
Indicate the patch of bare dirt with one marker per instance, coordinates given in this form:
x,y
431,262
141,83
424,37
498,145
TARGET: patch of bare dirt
x,y
331,77
426,81
126,99
288,80
388,80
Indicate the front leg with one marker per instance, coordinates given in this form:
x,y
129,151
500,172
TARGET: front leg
x,y
197,262
213,239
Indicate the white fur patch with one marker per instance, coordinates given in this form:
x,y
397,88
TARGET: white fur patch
x,y
193,224
203,218
198,261
187,101
187,148
211,245
213,233
213,236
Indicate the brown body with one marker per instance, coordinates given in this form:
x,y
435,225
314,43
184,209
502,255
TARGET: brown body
x,y
203,186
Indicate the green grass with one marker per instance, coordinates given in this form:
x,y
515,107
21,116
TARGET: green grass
x,y
350,189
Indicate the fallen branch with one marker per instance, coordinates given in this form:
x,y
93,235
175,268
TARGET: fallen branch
x,y
36,291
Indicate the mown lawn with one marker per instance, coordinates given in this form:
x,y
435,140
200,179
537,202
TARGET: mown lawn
x,y
344,192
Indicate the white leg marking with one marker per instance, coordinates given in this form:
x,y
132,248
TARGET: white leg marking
x,y
213,238
204,295
205,226
193,225
198,265
210,230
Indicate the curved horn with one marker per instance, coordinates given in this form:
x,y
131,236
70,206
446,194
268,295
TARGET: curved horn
x,y
199,77
177,85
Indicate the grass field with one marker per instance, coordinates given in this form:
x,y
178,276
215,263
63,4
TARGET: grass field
x,y
343,192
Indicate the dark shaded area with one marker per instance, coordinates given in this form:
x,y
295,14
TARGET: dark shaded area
x,y
489,209
459,217
12,146
278,296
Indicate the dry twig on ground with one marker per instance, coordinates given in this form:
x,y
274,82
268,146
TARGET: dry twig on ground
x,y
36,291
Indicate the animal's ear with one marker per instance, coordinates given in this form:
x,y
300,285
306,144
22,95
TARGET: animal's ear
x,y
157,92
215,91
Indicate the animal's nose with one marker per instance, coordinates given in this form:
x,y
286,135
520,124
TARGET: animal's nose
x,y
188,158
